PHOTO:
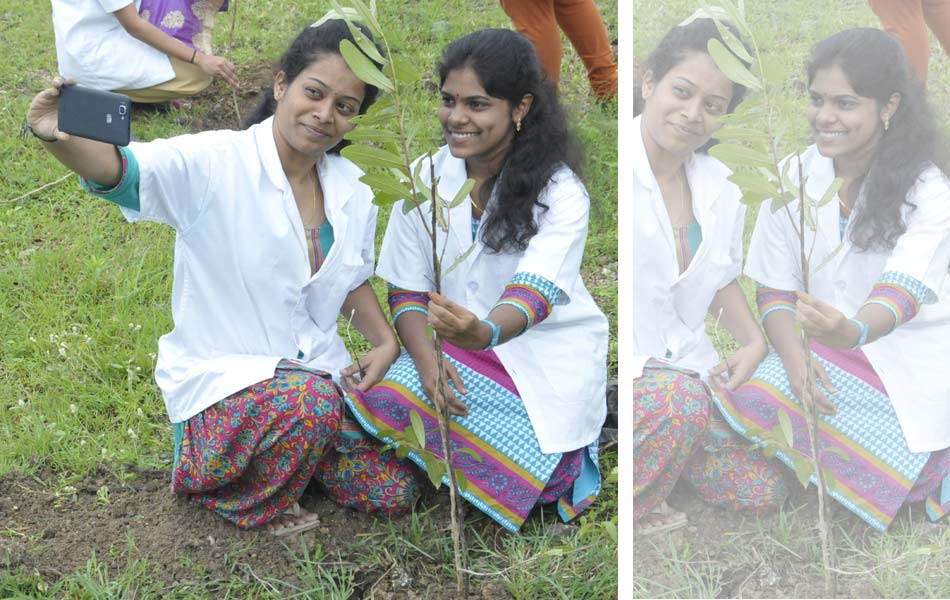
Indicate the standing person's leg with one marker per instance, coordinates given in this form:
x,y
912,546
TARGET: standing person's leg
x,y
584,27
250,456
937,15
535,20
904,20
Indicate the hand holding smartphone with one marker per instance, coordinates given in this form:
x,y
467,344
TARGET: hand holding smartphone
x,y
95,114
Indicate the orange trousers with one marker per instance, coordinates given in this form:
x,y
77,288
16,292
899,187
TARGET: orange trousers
x,y
907,20
541,21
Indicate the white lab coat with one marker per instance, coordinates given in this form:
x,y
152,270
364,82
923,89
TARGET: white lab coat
x,y
243,297
94,48
912,360
669,309
558,365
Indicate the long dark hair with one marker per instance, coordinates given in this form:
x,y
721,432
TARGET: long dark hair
x,y
309,46
877,68
508,68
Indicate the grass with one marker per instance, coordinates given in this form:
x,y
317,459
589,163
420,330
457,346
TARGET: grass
x,y
85,296
778,555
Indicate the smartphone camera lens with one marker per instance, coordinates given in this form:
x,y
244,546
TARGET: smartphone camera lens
x,y
122,109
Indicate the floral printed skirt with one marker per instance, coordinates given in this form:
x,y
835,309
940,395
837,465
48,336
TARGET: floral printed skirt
x,y
250,456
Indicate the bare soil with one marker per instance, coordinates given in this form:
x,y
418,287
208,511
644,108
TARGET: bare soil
x,y
54,535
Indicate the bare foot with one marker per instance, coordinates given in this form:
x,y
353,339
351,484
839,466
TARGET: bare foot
x,y
659,520
293,520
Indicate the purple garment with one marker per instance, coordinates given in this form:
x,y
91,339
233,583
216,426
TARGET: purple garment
x,y
181,19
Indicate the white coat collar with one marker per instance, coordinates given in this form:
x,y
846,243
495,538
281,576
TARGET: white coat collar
x,y
334,178
706,177
452,174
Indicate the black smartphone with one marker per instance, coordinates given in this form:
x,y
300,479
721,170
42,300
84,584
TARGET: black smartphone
x,y
94,114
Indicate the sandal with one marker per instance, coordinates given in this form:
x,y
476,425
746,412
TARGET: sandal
x,y
669,520
277,529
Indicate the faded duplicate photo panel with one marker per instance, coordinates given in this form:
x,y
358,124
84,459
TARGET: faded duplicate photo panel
x,y
790,236
309,299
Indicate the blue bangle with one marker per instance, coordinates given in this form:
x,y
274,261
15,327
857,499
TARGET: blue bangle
x,y
863,337
495,334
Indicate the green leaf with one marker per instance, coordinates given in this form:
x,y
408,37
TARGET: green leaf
x,y
769,451
803,470
402,452
371,134
385,199
735,133
410,204
367,156
731,66
829,194
831,482
365,44
368,16
374,118
430,332
403,70
461,258
732,42
461,480
463,192
735,156
754,183
786,424
435,469
468,452
363,67
418,428
387,184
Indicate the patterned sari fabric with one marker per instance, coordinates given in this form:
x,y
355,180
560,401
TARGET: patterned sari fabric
x,y
862,445
670,414
189,21
510,474
250,457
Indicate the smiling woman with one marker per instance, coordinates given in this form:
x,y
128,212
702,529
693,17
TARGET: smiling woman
x,y
250,372
525,344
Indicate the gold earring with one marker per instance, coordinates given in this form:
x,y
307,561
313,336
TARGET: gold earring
x,y
518,124
887,119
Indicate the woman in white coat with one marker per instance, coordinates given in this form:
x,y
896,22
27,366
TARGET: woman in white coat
x,y
687,249
878,312
526,347
274,239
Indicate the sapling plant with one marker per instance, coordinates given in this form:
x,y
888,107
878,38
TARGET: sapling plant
x,y
749,143
392,174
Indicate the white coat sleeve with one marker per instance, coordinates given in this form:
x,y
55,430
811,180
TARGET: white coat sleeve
x,y
368,250
557,250
174,178
403,260
111,6
735,242
773,261
923,250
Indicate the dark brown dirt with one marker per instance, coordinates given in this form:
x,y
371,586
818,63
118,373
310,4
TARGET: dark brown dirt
x,y
55,535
